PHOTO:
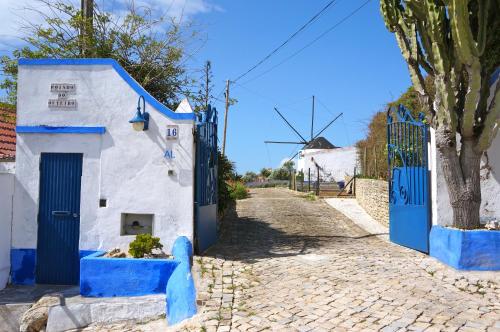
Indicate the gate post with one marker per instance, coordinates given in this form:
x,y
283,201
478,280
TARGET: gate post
x,y
317,183
309,180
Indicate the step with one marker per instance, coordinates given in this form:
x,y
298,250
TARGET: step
x,y
79,312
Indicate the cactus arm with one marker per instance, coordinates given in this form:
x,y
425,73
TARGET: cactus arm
x,y
419,10
415,73
491,123
444,101
484,7
467,52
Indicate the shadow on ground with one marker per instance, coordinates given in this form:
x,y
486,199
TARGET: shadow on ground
x,y
249,239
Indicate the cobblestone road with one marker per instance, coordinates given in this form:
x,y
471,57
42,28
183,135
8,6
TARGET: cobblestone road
x,y
290,264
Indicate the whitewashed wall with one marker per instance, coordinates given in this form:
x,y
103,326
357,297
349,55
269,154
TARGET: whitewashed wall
x,y
490,187
125,167
6,195
336,163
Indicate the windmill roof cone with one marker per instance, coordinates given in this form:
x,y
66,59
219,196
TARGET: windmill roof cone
x,y
320,143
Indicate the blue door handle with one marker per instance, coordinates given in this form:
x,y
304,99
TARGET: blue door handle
x,y
61,213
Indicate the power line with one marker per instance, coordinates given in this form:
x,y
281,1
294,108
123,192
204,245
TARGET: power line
x,y
312,42
271,100
302,28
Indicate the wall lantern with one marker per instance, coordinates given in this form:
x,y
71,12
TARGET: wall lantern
x,y
141,120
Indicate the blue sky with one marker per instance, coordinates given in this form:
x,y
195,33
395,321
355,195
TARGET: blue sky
x,y
355,69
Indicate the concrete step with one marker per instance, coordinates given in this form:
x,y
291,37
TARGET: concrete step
x,y
333,193
79,312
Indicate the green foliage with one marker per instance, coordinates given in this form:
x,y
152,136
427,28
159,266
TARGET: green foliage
x,y
300,176
283,173
265,172
144,245
310,196
152,54
249,177
238,191
288,165
280,174
225,174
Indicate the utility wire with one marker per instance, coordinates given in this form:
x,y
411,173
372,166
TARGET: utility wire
x,y
310,43
302,28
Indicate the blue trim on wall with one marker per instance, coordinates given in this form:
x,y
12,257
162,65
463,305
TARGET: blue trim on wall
x,y
59,130
466,250
123,74
22,266
108,277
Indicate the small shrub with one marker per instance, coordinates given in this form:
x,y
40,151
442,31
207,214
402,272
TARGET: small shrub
x,y
310,196
144,244
238,191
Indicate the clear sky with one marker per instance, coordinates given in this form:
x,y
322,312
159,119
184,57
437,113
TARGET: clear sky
x,y
354,69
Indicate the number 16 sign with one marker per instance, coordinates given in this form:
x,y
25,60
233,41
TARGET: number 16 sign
x,y
172,132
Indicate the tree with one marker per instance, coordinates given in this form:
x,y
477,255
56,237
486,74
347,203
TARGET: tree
x,y
265,172
288,165
456,44
249,177
204,96
280,174
151,49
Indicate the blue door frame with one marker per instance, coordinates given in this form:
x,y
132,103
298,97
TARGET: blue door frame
x,y
59,219
409,198
206,180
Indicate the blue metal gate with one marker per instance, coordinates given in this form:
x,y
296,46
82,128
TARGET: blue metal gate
x,y
206,180
409,207
59,219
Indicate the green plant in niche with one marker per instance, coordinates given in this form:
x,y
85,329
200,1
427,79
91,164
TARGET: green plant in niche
x,y
144,245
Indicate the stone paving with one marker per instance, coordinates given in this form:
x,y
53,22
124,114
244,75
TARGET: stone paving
x,y
290,264
286,263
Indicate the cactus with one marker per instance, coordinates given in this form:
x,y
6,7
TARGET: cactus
x,y
456,43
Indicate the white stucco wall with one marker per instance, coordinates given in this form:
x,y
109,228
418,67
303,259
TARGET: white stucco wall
x,y
125,167
490,188
6,195
336,164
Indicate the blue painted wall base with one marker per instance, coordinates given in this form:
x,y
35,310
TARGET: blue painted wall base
x,y
466,250
108,277
22,266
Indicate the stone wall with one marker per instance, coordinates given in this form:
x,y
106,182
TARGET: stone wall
x,y
372,195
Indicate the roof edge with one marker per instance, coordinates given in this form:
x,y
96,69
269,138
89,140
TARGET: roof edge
x,y
120,70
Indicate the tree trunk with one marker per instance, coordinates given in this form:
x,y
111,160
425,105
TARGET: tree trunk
x,y
462,175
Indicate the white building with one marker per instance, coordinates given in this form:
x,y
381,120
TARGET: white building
x,y
335,163
85,180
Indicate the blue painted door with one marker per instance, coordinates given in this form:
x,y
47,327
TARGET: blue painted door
x,y
59,219
409,199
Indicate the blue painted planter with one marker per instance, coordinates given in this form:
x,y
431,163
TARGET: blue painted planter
x,y
466,250
108,277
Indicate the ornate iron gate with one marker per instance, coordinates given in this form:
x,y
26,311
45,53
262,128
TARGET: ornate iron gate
x,y
409,206
206,180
